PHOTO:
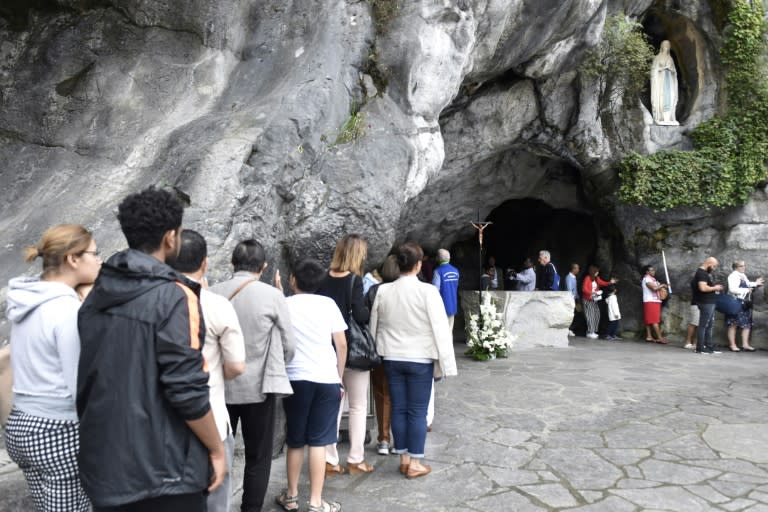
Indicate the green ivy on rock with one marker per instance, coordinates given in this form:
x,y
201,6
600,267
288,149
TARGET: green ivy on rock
x,y
730,150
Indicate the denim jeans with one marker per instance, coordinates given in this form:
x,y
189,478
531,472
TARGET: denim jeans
x,y
704,334
409,388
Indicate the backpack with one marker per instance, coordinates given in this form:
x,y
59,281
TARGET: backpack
x,y
555,279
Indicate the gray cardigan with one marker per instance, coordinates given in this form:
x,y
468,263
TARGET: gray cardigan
x,y
269,340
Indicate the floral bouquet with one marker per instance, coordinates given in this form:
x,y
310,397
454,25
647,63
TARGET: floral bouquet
x,y
487,337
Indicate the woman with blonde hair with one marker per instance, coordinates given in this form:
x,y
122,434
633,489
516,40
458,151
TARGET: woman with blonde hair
x,y
42,431
344,284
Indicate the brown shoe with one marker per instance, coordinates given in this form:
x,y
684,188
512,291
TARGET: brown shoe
x,y
360,468
331,470
416,473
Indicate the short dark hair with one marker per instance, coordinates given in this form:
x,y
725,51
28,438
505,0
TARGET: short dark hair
x,y
145,217
249,256
309,274
646,268
389,269
192,253
408,255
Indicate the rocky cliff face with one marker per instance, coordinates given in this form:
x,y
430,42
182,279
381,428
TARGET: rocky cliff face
x,y
455,109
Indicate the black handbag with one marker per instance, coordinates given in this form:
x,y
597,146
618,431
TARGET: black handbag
x,y
361,347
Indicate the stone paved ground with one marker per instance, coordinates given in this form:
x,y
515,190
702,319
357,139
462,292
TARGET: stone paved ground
x,y
599,426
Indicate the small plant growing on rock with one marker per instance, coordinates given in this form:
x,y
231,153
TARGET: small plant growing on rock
x,y
620,62
352,129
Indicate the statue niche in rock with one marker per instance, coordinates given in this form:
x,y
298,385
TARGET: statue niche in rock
x,y
664,87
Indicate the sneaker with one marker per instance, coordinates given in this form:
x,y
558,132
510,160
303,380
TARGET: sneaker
x,y
609,338
382,448
715,351
592,335
689,346
618,338
571,333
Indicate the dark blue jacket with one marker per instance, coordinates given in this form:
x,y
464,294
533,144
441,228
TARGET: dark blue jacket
x,y
140,378
446,278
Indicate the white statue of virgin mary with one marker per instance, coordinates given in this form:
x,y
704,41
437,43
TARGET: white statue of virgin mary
x,y
664,87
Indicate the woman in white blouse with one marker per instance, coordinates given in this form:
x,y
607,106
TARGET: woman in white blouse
x,y
741,287
409,323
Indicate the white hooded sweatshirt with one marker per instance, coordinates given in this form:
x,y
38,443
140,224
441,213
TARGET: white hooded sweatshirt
x,y
45,347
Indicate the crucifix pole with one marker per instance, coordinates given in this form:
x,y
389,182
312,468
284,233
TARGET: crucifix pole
x,y
480,227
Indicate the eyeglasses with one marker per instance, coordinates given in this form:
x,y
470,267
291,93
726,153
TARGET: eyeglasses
x,y
95,253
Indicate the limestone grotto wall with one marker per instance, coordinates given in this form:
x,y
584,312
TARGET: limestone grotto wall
x,y
465,105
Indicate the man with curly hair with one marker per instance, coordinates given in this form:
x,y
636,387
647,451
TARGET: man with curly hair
x,y
147,432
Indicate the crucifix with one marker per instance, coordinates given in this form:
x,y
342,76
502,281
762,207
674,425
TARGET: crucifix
x,y
480,227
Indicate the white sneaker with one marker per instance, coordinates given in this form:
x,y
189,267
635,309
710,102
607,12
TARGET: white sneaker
x,y
382,448
592,335
571,333
689,346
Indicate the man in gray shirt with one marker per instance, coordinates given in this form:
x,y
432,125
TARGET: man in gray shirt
x,y
269,346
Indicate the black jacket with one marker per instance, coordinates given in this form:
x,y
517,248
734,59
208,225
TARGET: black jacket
x,y
141,375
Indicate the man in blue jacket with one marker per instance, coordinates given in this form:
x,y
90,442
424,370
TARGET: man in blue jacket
x,y
446,278
147,433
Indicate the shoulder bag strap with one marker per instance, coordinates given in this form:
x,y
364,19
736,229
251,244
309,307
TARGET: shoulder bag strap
x,y
240,288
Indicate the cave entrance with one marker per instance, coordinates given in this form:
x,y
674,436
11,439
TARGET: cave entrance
x,y
520,229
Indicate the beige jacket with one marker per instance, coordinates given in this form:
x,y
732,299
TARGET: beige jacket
x,y
269,341
408,321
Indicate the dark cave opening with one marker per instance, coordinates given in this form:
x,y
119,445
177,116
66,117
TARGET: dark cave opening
x,y
520,229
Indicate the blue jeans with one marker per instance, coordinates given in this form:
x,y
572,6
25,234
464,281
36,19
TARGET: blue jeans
x,y
704,334
409,387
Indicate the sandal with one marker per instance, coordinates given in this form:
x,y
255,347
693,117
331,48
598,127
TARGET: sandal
x,y
325,506
285,501
359,468
331,470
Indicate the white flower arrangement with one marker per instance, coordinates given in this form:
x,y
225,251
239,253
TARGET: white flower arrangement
x,y
487,336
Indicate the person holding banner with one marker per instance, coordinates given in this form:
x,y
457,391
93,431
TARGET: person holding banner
x,y
652,289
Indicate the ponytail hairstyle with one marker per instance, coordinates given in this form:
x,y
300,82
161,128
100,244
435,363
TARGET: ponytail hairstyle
x,y
57,243
350,254
408,255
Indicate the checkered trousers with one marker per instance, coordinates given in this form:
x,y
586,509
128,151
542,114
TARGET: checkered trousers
x,y
46,451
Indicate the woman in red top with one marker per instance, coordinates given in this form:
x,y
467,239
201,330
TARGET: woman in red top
x,y
591,292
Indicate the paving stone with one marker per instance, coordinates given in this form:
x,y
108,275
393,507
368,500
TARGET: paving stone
x,y
708,493
638,435
678,474
664,498
624,456
508,436
744,441
507,501
592,496
635,483
505,477
740,504
687,447
610,504
553,495
633,472
758,496
733,466
583,468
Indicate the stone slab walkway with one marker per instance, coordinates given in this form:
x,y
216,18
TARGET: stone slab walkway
x,y
599,426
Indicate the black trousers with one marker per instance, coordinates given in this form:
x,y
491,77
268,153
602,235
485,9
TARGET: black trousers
x,y
194,502
258,431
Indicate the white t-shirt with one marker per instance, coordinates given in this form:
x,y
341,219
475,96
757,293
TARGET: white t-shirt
x,y
223,342
315,318
648,294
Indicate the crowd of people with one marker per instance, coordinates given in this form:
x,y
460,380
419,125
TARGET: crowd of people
x,y
132,375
